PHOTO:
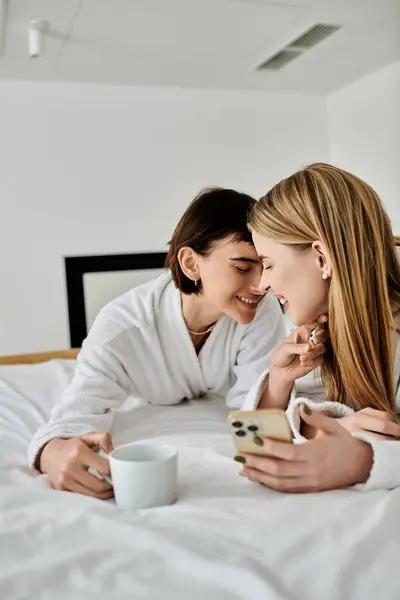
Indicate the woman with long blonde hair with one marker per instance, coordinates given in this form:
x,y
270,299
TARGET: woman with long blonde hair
x,y
329,255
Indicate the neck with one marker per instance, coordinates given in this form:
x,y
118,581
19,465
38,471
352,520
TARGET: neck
x,y
198,313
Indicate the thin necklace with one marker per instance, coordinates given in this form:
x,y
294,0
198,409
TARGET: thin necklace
x,y
209,330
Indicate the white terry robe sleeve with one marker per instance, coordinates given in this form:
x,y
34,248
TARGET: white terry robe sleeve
x,y
100,385
385,472
255,351
316,402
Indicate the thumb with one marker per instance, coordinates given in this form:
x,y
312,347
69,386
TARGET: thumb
x,y
101,440
320,421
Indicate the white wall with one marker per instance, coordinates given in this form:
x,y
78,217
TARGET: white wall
x,y
364,133
92,169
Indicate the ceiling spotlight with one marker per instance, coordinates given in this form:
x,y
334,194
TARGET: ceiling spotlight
x,y
35,37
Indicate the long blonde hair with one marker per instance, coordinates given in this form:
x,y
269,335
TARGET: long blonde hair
x,y
325,203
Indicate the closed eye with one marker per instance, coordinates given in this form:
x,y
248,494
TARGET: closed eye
x,y
242,270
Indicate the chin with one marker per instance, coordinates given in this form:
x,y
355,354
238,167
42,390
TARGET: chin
x,y
302,319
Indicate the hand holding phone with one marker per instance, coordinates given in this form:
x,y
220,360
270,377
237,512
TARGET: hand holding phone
x,y
245,425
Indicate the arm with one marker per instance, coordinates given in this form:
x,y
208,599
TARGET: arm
x,y
100,385
295,359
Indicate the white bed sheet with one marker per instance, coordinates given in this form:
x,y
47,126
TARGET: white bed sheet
x,y
225,539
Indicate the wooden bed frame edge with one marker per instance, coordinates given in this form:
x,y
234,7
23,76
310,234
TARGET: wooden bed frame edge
x,y
38,357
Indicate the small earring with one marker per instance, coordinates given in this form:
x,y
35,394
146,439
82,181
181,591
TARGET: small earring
x,y
325,276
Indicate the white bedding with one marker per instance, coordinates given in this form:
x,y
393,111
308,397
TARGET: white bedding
x,y
225,538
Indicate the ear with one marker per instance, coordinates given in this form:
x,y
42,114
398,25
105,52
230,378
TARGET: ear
x,y
323,260
188,261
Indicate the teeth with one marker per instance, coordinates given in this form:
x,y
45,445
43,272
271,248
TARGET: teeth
x,y
247,300
282,301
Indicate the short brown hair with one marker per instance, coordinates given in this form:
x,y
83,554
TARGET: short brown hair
x,y
213,215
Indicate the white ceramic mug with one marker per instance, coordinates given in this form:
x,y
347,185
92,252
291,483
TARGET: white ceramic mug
x,y
144,475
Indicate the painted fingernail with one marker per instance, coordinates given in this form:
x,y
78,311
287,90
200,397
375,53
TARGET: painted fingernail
x,y
307,409
240,459
257,440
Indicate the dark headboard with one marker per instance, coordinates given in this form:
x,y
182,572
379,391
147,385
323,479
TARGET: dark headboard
x,y
75,269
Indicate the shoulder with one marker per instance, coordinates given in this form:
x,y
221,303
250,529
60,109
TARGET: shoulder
x,y
133,311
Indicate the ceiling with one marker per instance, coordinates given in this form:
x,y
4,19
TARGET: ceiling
x,y
198,43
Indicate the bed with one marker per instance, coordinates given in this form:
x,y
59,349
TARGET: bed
x,y
225,539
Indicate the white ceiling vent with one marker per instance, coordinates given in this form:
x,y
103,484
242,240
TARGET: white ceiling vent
x,y
314,35
307,40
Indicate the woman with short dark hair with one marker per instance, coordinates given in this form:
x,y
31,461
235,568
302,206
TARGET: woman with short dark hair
x,y
202,327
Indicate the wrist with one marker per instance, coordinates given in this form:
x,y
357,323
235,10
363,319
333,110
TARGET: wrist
x,y
44,458
279,381
277,392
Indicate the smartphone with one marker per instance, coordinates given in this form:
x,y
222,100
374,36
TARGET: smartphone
x,y
246,424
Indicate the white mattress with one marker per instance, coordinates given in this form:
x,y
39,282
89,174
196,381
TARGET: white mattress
x,y
225,539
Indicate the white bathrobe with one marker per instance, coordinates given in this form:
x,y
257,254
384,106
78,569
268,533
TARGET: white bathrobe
x,y
139,346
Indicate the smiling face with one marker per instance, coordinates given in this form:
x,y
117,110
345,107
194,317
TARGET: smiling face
x,y
295,276
230,276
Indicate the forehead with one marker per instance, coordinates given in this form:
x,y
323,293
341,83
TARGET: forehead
x,y
231,249
265,246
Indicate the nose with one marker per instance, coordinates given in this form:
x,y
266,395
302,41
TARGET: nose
x,y
256,290
255,283
263,287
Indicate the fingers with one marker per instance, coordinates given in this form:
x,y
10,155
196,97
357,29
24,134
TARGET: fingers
x,y
91,482
310,358
379,414
297,349
316,331
279,484
318,420
81,489
320,337
378,425
72,480
382,438
286,353
102,440
313,364
274,466
91,459
302,333
72,485
275,449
